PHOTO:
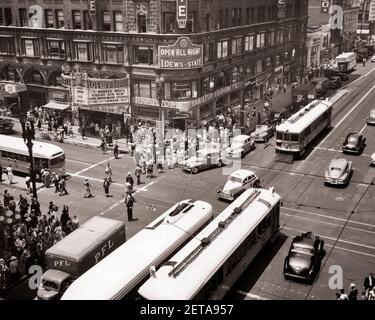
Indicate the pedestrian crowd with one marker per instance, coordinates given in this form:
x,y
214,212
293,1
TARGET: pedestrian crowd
x,y
26,232
368,291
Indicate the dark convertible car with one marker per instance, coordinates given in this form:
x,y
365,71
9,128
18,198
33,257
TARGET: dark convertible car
x,y
354,143
304,257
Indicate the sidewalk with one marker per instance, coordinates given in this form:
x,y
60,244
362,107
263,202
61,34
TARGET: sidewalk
x,y
18,183
88,142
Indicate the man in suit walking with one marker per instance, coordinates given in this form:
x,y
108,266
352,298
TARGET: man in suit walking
x,y
368,284
129,201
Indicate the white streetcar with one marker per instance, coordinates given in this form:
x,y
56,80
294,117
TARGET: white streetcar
x,y
208,266
293,135
119,275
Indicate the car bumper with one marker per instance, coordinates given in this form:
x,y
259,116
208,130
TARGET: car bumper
x,y
259,139
295,276
335,181
186,168
372,162
225,196
355,151
371,121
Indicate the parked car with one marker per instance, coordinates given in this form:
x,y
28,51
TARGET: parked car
x,y
237,183
335,82
371,117
204,159
354,143
338,172
373,59
372,160
240,146
262,133
304,258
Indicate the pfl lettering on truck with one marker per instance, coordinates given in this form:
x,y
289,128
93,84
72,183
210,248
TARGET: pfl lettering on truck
x,y
76,253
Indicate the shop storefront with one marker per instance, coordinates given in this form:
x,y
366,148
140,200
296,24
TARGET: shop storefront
x,y
35,96
59,105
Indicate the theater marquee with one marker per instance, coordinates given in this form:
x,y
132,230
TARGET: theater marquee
x,y
181,55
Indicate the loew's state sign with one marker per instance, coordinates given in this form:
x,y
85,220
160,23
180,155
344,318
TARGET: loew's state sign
x,y
181,55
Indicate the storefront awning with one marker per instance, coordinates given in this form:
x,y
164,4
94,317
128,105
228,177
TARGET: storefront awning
x,y
56,106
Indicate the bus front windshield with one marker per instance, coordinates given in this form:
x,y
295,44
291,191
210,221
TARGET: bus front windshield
x,y
57,160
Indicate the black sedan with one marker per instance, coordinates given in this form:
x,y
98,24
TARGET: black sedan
x,y
343,76
304,258
354,143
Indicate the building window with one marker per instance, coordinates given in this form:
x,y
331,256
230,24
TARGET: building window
x,y
146,89
87,20
30,47
239,17
249,43
7,46
106,20
252,15
280,36
259,66
83,51
269,62
260,40
222,49
168,22
208,85
271,36
143,55
59,19
248,16
220,24
141,22
234,17
23,17
221,80
1,16
226,21
190,25
183,90
235,75
208,49
8,16
10,74
56,49
48,14
113,53
77,21
236,46
208,22
35,78
118,19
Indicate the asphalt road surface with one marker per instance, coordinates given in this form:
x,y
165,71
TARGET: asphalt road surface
x,y
343,217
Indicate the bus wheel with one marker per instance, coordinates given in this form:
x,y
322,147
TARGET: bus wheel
x,y
220,163
195,170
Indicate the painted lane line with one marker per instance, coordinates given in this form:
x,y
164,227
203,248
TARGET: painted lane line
x,y
76,161
340,151
363,128
92,166
342,120
330,217
334,239
350,250
250,295
360,78
326,223
116,204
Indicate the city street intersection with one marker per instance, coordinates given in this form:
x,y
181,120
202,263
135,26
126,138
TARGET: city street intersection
x,y
343,217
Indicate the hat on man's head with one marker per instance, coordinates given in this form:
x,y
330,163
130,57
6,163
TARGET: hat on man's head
x,y
352,285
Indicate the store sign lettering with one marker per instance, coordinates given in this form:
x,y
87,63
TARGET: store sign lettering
x,y
182,10
102,96
325,6
61,96
181,55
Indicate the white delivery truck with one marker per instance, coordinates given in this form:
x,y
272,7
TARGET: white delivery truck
x,y
346,62
77,252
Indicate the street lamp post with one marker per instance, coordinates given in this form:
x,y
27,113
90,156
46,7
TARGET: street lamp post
x,y
160,95
28,134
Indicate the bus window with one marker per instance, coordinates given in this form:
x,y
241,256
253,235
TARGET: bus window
x,y
44,163
294,137
22,158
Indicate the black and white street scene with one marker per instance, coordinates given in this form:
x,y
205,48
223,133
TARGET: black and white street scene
x,y
187,149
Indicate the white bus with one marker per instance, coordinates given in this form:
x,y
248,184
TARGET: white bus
x,y
209,265
293,135
119,275
14,152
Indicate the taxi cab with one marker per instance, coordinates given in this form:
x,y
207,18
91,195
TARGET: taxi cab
x,y
237,183
206,158
240,146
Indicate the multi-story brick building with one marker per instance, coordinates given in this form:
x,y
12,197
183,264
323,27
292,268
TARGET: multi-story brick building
x,y
103,60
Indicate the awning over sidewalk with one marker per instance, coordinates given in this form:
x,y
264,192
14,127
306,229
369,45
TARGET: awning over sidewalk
x,y
56,106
